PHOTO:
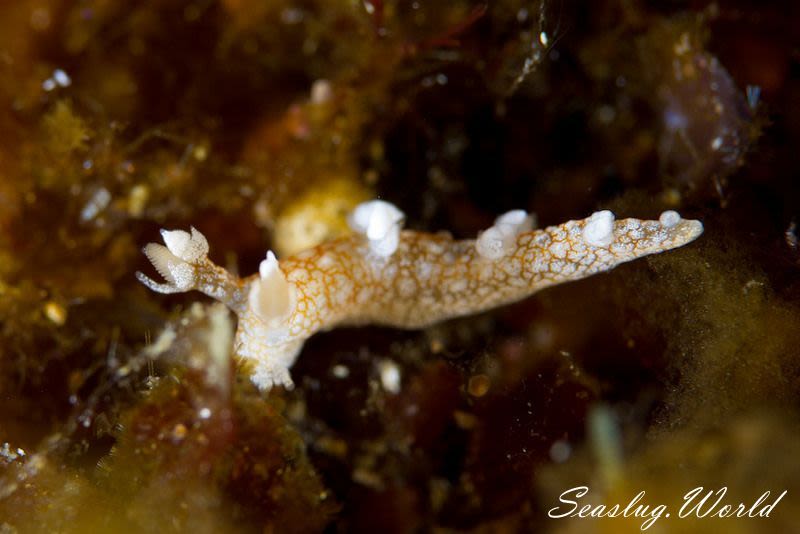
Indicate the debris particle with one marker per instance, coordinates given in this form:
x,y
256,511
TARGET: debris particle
x,y
340,371
55,312
390,376
97,203
479,385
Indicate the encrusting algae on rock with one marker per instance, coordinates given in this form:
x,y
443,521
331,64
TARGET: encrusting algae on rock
x,y
406,279
264,124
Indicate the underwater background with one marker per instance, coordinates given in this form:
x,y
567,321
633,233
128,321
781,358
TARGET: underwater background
x,y
263,123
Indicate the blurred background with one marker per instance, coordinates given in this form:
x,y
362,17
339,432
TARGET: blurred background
x,y
262,123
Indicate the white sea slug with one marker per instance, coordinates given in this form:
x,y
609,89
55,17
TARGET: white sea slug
x,y
384,275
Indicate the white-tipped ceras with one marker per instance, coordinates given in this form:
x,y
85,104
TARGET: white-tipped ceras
x,y
384,275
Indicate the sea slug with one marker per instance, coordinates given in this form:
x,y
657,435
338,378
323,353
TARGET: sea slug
x,y
382,274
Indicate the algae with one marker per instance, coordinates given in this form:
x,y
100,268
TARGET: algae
x,y
261,123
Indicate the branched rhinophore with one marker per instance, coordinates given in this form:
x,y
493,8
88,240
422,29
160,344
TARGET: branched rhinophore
x,y
385,275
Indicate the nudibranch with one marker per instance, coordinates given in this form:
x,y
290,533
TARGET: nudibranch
x,y
382,274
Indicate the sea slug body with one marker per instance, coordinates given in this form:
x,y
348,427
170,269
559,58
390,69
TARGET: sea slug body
x,y
382,274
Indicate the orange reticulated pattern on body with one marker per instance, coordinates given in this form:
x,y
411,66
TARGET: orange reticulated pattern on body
x,y
432,277
425,279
